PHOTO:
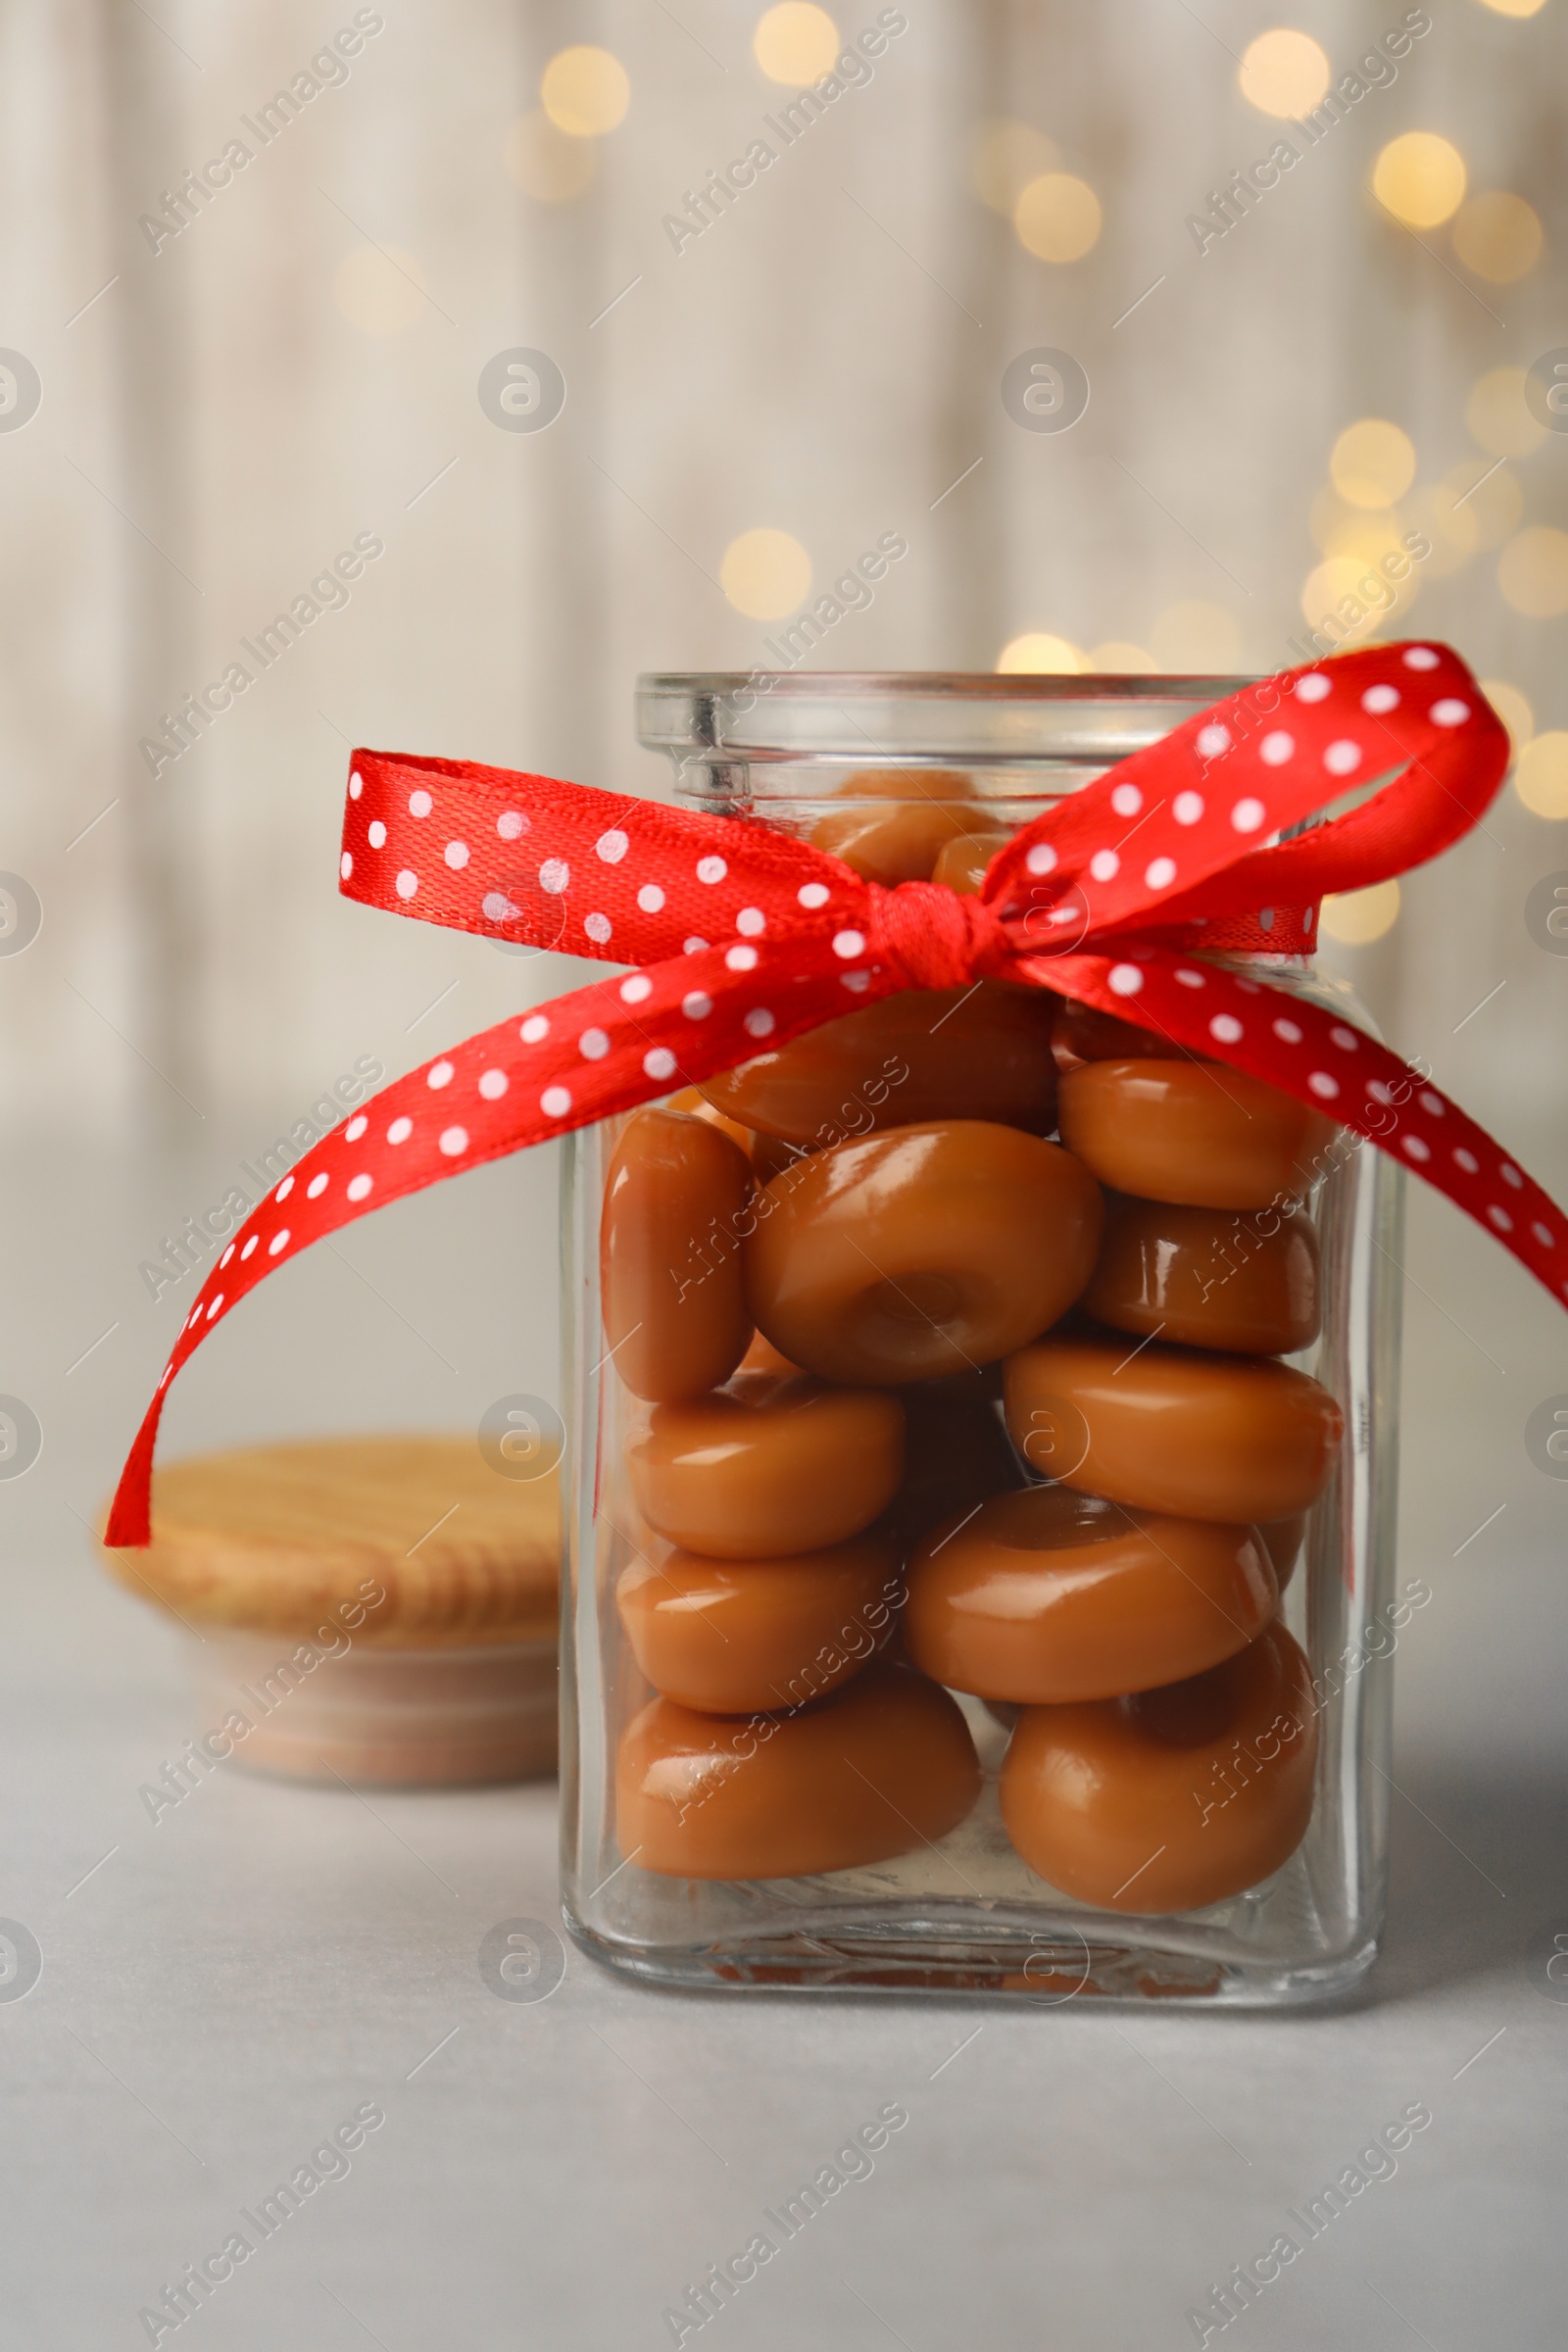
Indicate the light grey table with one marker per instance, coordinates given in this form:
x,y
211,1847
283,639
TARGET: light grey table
x,y
222,1988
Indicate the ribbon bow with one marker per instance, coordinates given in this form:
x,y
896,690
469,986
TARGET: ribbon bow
x,y
742,938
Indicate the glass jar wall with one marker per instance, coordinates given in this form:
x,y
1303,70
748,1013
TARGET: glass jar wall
x,y
982,1447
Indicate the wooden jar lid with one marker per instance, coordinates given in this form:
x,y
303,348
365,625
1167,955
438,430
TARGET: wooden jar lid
x,y
286,1539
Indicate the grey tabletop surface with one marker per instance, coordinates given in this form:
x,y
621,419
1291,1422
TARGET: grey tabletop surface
x,y
221,1989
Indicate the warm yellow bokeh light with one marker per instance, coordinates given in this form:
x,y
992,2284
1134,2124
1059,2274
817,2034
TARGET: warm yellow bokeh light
x,y
1058,217
585,92
1036,655
380,290
544,161
1420,178
1285,74
1533,572
1356,917
1008,156
766,574
1498,236
1514,8
1498,415
1513,708
1373,463
1119,658
795,43
1348,598
1197,638
1476,505
1541,778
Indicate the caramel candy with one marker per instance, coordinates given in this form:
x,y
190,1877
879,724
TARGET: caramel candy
x,y
1198,1133
899,842
1172,1799
1207,1277
963,860
1047,1595
769,1156
767,1467
1170,1429
925,1054
956,1452
669,1255
1084,1034
725,1637
854,1780
926,1251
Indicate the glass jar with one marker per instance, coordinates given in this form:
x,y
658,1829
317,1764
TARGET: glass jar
x,y
1017,1617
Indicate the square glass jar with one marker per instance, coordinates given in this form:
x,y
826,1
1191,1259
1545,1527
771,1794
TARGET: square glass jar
x,y
886,770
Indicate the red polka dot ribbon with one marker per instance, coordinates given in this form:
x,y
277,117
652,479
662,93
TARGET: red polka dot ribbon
x,y
741,937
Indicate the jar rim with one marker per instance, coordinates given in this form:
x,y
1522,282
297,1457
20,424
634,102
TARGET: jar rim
x,y
908,718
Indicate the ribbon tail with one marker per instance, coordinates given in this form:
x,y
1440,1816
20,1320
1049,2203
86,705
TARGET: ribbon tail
x,y
1326,1061
605,1048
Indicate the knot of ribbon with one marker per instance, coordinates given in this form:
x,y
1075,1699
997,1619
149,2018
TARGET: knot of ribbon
x,y
938,939
1126,895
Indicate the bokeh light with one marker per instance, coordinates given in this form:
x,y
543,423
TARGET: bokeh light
x,y
1541,778
380,290
1058,217
585,92
1356,917
1007,157
543,162
1497,417
1118,656
766,574
1036,654
1197,637
1514,8
1498,236
795,43
1284,73
1513,708
1479,503
1350,599
1373,463
1532,571
1419,177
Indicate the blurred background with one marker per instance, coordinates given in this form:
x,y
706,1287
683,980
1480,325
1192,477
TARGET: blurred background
x,y
269,275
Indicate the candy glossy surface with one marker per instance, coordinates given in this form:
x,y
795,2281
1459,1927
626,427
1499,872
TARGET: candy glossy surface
x,y
1173,1429
767,1467
724,1637
898,841
1193,1131
1211,1278
924,1252
1172,1799
970,1053
1048,1596
963,862
669,1255
854,1780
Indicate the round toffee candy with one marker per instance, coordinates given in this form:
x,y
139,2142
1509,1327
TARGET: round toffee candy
x,y
921,1252
963,860
855,1779
925,1054
907,817
1047,1595
1085,1034
1172,1799
1206,1277
1198,1133
769,1466
1173,1429
676,1198
727,1635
